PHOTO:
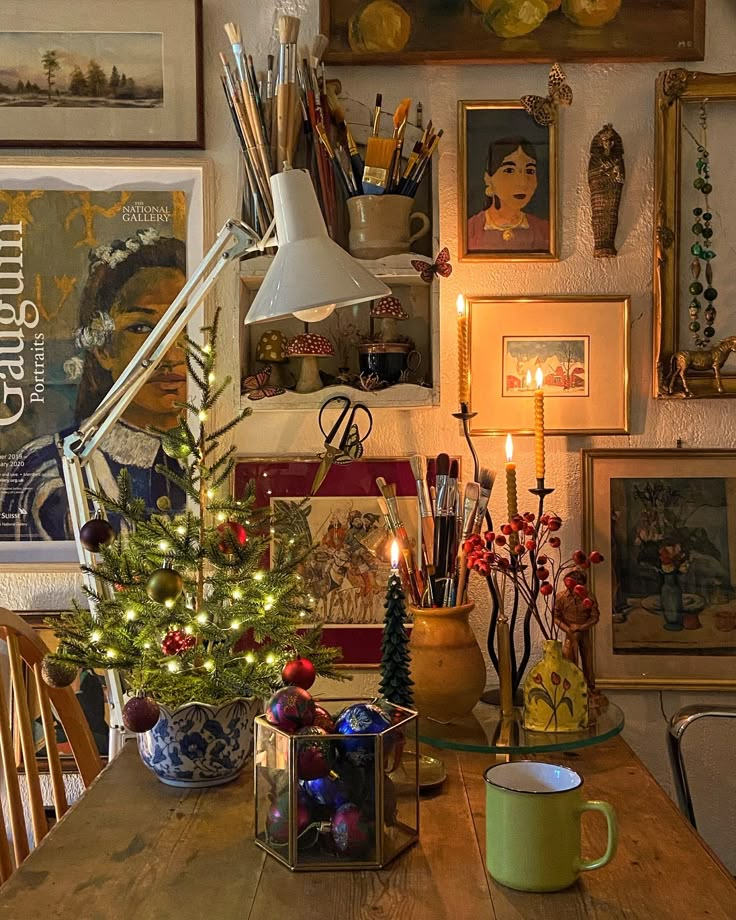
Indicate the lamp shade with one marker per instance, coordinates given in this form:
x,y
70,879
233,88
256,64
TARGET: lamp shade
x,y
310,274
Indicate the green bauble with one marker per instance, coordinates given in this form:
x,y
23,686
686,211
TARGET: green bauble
x,y
697,212
697,228
707,232
696,288
175,444
708,254
710,294
699,183
164,585
697,250
707,216
709,332
694,327
706,188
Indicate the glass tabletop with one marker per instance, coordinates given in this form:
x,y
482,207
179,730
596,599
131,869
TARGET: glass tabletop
x,y
484,731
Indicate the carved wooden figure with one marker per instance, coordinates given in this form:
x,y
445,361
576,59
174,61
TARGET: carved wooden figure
x,y
606,174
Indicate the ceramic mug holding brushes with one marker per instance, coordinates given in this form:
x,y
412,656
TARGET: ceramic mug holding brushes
x,y
380,225
533,813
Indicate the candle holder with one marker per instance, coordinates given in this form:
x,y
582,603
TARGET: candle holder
x,y
465,415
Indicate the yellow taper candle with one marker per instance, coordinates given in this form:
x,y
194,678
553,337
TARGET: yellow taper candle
x,y
539,425
463,358
510,478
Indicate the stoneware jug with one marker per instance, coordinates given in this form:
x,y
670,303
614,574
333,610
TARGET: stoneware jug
x,y
555,693
533,813
447,666
380,225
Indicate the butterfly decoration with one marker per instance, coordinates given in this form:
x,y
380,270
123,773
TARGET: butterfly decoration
x,y
257,387
441,266
543,109
353,447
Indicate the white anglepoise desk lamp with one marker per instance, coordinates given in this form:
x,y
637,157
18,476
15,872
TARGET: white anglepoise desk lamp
x,y
310,276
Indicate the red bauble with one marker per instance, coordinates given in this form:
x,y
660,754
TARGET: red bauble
x,y
233,534
300,672
290,709
315,757
176,642
140,714
352,832
277,819
323,720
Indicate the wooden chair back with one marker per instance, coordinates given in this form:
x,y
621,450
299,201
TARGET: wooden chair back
x,y
24,645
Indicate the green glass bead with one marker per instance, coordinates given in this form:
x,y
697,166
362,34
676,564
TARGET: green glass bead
x,y
697,211
697,250
707,216
707,232
700,164
699,183
710,294
698,228
706,189
696,288
709,332
708,254
694,327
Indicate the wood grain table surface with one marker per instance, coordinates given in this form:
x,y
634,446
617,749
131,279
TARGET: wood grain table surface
x,y
134,849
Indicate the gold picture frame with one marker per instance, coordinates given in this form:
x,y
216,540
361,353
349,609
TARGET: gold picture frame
x,y
572,338
676,89
537,227
665,522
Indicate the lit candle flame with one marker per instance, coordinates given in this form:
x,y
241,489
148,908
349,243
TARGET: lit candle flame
x,y
539,378
528,379
395,554
509,449
460,305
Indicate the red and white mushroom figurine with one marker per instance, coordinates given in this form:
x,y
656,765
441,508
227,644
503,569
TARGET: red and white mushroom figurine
x,y
389,310
310,347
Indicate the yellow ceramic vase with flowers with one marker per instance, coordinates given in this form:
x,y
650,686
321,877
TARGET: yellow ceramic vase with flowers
x,y
555,693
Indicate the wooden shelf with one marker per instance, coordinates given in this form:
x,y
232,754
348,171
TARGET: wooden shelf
x,y
401,396
399,267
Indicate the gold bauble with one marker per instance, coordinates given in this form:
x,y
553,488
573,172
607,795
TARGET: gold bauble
x,y
164,585
57,673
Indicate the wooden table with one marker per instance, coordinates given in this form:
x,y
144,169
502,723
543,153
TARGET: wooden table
x,y
134,849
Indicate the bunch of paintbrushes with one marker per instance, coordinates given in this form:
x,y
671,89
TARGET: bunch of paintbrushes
x,y
449,514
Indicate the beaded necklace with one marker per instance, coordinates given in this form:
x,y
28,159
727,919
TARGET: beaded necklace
x,y
702,248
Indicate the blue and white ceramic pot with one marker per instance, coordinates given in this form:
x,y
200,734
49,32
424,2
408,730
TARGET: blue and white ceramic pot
x,y
200,745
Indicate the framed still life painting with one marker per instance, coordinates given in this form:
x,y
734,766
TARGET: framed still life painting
x,y
581,346
508,184
347,570
90,74
92,252
426,31
665,521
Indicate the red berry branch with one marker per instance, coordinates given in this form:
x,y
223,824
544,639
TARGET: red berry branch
x,y
531,563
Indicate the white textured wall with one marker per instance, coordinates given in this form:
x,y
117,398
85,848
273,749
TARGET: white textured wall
x,y
622,94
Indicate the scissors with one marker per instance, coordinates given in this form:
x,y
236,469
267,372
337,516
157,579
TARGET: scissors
x,y
342,447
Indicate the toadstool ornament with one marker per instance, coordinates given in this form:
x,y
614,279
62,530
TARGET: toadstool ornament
x,y
271,349
310,348
389,310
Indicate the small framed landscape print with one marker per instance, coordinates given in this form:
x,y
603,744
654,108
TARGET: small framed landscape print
x,y
90,74
508,184
347,570
665,521
581,346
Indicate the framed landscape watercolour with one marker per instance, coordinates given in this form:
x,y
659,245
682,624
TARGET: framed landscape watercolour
x,y
665,521
347,571
92,253
513,31
581,345
90,74
508,184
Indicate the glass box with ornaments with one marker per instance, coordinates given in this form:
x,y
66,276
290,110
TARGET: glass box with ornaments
x,y
336,781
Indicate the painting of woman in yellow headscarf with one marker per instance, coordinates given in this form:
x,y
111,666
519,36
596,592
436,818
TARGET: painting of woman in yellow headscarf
x,y
508,188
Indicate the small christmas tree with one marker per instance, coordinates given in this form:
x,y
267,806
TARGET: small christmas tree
x,y
396,682
186,608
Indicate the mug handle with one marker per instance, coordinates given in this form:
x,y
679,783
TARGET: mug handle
x,y
415,358
610,814
418,215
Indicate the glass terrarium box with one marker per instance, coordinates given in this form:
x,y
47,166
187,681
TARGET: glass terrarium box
x,y
347,799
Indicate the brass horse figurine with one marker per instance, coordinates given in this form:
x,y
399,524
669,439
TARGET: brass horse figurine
x,y
706,360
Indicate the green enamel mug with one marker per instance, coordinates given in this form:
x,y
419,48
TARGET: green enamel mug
x,y
533,813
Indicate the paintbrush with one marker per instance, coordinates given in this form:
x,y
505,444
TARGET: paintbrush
x,y
388,491
422,166
378,163
486,479
401,116
356,160
470,510
377,115
439,554
419,469
337,165
288,27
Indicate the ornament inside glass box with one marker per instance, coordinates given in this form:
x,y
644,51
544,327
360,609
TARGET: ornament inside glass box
x,y
336,782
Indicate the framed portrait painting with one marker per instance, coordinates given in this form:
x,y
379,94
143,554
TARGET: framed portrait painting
x,y
665,521
347,570
580,345
508,184
92,252
92,74
516,31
